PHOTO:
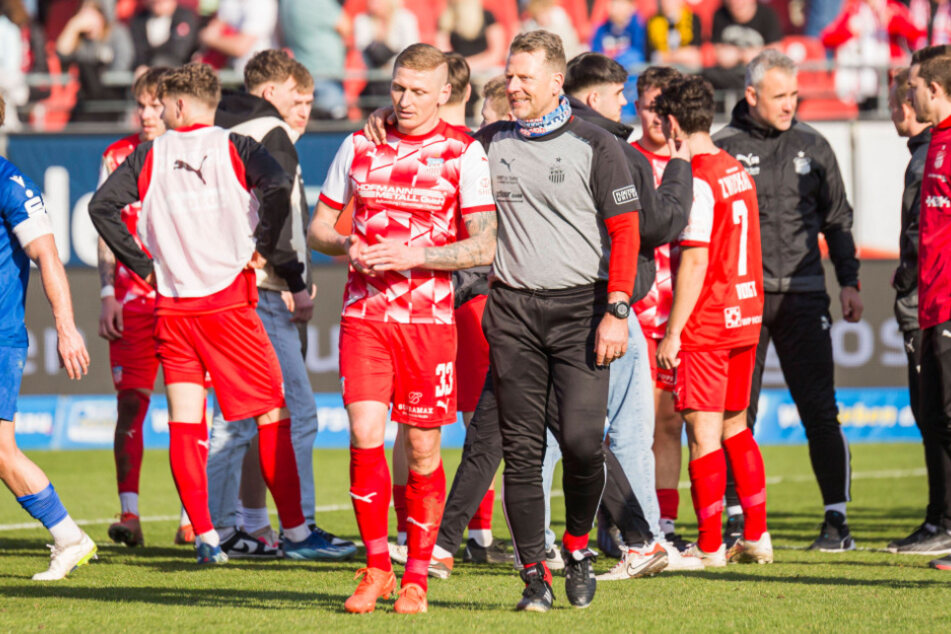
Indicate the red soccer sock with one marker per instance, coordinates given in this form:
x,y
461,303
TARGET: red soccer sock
x,y
572,543
370,495
425,500
482,520
669,501
750,476
279,468
399,505
128,446
188,454
707,487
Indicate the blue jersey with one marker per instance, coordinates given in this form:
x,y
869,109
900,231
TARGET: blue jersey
x,y
23,218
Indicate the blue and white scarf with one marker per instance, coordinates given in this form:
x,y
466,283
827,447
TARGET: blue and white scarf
x,y
547,124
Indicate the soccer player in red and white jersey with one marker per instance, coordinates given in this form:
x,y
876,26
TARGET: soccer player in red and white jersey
x,y
398,337
126,320
199,221
714,327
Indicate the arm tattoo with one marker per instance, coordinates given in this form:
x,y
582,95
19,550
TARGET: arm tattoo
x,y
106,265
476,250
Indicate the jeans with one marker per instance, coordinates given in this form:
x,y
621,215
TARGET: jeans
x,y
630,430
229,440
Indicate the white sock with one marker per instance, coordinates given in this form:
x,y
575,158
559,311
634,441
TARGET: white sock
x,y
441,553
482,536
129,503
666,526
184,521
256,519
298,533
225,532
239,516
734,510
66,532
839,507
211,538
401,538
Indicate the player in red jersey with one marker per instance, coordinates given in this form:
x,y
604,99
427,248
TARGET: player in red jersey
x,y
126,320
714,326
398,336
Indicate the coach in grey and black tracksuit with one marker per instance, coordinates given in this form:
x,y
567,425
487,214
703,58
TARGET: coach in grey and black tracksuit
x,y
801,194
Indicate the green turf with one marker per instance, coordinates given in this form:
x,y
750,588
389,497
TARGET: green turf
x,y
159,587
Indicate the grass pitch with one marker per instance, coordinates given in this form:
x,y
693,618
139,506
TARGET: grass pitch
x,y
160,588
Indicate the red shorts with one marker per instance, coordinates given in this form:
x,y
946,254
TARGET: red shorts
x,y
663,379
472,357
410,365
715,380
133,358
233,348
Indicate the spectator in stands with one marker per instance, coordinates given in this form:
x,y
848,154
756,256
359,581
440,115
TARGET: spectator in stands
x,y
380,34
548,15
741,29
495,102
622,38
934,18
14,58
314,30
467,28
163,34
673,35
240,29
867,37
94,45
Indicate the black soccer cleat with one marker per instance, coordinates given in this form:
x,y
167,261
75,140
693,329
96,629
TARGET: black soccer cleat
x,y
941,564
495,553
834,537
537,595
732,530
926,540
580,582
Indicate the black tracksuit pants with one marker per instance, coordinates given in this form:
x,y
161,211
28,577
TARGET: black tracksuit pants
x,y
541,341
934,414
798,324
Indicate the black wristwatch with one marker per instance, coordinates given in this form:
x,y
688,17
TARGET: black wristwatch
x,y
619,309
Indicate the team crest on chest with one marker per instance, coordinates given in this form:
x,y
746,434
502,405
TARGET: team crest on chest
x,y
802,163
556,172
939,158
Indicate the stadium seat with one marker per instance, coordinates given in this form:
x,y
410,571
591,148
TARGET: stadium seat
x,y
817,98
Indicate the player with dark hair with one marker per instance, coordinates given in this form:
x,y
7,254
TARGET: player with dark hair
x,y
495,105
929,82
398,336
714,326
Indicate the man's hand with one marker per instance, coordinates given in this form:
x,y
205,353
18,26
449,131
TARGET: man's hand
x,y
72,352
668,352
610,340
852,306
301,305
678,149
257,261
393,255
356,252
375,127
110,319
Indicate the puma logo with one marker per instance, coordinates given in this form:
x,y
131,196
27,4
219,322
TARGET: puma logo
x,y
203,443
443,405
182,165
368,498
507,164
410,520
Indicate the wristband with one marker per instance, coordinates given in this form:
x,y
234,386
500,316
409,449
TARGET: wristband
x,y
107,291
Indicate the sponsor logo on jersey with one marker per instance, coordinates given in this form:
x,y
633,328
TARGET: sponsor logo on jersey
x,y
802,163
429,199
556,173
733,318
507,163
624,195
750,162
182,165
942,202
414,397
939,158
746,290
733,184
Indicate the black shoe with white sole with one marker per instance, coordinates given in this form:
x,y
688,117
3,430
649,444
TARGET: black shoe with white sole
x,y
580,582
732,530
927,540
494,553
241,545
537,595
834,537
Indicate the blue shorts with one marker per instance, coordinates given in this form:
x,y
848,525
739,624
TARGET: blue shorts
x,y
12,361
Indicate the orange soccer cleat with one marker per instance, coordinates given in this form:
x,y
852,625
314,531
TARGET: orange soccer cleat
x,y
127,530
376,583
185,535
412,600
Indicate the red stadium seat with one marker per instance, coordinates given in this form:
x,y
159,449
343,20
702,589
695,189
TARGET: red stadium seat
x,y
817,98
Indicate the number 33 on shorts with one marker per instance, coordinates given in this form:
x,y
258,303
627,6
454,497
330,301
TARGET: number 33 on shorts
x,y
444,379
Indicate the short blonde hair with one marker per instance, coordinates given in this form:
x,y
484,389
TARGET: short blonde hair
x,y
192,80
541,40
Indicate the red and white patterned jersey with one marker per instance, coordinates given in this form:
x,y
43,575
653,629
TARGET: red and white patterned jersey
x,y
725,218
408,189
653,310
130,289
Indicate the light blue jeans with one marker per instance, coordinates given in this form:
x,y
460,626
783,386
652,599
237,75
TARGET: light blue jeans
x,y
630,430
229,440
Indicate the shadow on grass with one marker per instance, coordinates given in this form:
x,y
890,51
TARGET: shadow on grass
x,y
898,584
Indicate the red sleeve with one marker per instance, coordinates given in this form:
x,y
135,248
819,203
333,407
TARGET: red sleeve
x,y
838,32
625,245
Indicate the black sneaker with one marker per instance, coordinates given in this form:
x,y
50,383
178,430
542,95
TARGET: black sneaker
x,y
580,582
927,540
834,536
553,559
941,564
495,553
537,595
678,542
732,530
242,545
330,537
